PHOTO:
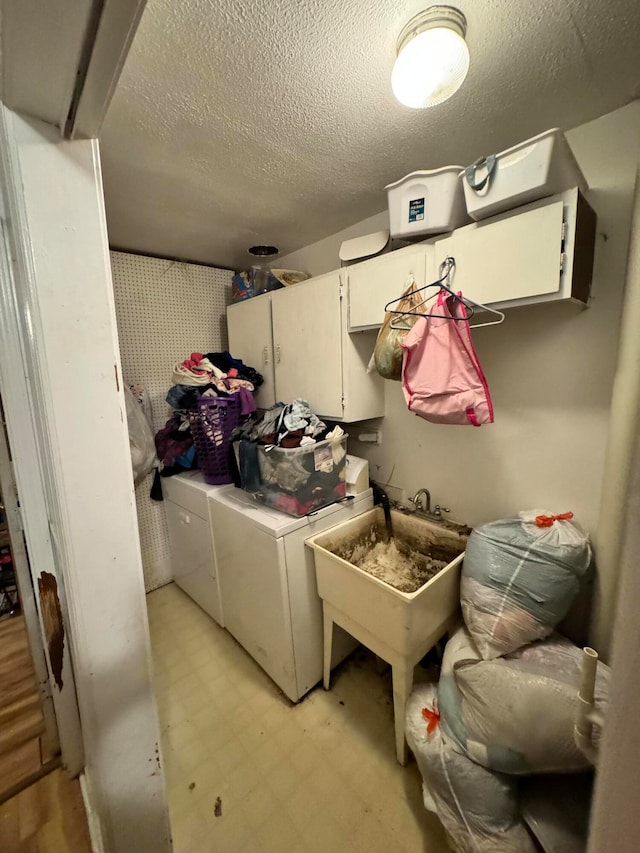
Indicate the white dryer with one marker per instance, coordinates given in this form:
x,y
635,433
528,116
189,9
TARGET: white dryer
x,y
268,584
192,559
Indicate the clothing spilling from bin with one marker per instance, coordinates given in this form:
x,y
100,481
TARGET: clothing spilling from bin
x,y
289,459
285,456
197,380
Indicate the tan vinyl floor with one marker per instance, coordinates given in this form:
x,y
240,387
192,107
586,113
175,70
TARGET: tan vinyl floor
x,y
248,771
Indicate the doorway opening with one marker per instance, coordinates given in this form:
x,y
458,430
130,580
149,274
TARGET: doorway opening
x,y
29,743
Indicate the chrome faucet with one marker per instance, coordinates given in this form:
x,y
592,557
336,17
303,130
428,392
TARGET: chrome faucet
x,y
424,506
418,504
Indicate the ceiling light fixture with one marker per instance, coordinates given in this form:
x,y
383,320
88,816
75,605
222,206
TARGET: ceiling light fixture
x,y
433,58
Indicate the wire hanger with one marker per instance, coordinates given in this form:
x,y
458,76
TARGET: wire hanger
x,y
500,317
445,271
447,268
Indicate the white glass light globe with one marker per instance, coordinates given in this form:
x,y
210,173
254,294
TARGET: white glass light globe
x,y
430,68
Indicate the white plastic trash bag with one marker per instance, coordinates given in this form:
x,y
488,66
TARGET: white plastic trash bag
x,y
520,577
478,808
141,444
517,714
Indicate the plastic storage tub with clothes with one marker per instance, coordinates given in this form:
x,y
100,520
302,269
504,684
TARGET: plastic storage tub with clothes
x,y
295,480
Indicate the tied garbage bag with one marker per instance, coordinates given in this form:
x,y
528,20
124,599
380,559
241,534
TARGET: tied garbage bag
x,y
141,445
388,351
478,808
516,714
520,577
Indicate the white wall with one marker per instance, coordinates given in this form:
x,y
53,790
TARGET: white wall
x,y
165,310
65,299
322,256
550,370
615,823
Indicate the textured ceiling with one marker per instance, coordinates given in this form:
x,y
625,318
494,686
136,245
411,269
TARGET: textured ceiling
x,y
237,123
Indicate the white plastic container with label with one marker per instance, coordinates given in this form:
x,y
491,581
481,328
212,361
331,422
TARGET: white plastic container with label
x,y
426,202
536,168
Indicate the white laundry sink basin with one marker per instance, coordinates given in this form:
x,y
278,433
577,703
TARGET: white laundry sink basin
x,y
402,620
398,626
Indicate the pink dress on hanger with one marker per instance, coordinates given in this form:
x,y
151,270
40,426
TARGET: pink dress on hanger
x,y
442,379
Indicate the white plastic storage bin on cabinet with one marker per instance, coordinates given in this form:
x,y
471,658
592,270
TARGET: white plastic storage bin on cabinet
x,y
426,203
536,168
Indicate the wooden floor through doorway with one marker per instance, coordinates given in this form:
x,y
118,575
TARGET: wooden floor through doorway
x,y
24,755
41,810
46,817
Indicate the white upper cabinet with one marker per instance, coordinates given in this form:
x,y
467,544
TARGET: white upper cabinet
x,y
250,338
542,252
309,352
308,344
373,283
513,259
525,256
314,339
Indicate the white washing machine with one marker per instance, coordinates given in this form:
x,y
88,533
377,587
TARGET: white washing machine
x,y
192,559
268,584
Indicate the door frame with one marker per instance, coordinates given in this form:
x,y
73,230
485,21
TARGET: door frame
x,y
21,383
66,416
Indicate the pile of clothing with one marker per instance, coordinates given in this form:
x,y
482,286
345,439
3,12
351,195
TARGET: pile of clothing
x,y
507,701
290,460
215,374
290,425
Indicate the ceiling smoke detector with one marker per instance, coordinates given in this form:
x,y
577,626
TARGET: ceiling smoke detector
x,y
433,58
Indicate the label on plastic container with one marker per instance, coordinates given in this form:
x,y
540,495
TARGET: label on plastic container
x,y
416,209
323,459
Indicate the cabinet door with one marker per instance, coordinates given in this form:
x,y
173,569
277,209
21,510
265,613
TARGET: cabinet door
x,y
509,258
374,283
250,338
308,344
192,560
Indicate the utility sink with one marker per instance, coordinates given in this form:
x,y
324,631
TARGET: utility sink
x,y
399,626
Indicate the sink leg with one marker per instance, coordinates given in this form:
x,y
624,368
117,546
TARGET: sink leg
x,y
328,642
402,684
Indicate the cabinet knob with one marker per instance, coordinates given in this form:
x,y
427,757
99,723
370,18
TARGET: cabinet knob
x,y
265,356
278,354
184,518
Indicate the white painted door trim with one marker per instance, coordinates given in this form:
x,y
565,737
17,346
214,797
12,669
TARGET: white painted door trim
x,y
111,32
72,84
20,387
61,384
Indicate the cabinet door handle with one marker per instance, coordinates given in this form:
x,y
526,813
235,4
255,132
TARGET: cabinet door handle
x,y
265,356
184,518
278,354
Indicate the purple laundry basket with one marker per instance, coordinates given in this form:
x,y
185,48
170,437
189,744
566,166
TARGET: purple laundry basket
x,y
212,424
